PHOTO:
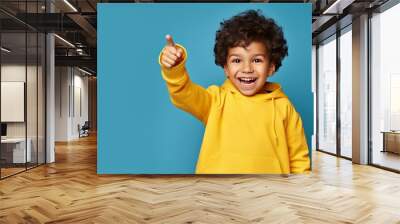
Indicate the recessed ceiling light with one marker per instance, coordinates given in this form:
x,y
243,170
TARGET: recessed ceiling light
x,y
337,7
84,71
65,41
71,6
5,50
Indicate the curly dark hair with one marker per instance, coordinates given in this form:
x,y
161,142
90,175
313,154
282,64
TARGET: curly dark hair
x,y
246,27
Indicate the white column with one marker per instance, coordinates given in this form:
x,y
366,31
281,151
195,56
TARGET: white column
x,y
50,92
360,90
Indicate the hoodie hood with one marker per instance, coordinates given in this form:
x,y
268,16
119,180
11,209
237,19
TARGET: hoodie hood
x,y
270,91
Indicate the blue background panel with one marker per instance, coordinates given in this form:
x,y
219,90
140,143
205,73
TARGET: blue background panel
x,y
139,130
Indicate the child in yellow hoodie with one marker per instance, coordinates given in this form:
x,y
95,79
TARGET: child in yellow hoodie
x,y
251,127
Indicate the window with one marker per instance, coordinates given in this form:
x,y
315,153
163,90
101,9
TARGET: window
x,y
22,86
385,88
346,92
327,95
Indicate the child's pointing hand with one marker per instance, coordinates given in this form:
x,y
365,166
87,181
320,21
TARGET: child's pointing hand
x,y
171,54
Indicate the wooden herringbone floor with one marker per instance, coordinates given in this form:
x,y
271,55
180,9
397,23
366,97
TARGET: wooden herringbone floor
x,y
70,191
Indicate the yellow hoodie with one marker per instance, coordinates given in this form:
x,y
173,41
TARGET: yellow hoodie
x,y
260,134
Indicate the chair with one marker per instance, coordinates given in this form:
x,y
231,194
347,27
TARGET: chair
x,y
84,130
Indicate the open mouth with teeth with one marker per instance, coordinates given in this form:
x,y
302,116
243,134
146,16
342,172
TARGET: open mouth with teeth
x,y
247,80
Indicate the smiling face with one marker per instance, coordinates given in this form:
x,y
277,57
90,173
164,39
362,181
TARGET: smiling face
x,y
248,68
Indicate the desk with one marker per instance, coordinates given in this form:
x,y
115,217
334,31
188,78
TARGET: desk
x,y
391,141
15,148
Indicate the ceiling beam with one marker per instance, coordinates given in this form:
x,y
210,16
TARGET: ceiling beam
x,y
85,25
84,61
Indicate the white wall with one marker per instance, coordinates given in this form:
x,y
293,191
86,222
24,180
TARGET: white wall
x,y
81,84
33,127
71,94
10,73
62,81
15,72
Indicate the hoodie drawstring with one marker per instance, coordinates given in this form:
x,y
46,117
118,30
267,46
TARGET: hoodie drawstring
x,y
276,135
273,121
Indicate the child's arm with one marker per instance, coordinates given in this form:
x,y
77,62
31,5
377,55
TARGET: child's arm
x,y
185,94
297,144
